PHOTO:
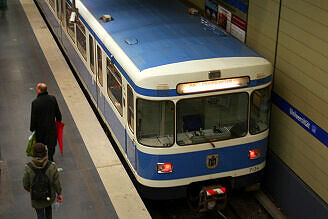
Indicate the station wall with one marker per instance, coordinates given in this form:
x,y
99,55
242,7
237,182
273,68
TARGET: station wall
x,y
199,4
262,26
292,35
300,79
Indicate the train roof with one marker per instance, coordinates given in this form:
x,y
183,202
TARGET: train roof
x,y
159,32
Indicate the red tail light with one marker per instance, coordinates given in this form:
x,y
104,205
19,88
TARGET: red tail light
x,y
254,154
164,167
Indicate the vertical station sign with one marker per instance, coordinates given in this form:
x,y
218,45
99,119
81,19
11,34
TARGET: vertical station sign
x,y
231,15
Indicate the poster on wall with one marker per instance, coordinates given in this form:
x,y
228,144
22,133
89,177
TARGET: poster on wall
x,y
231,15
238,28
224,18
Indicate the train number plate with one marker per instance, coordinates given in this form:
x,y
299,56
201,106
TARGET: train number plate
x,y
212,161
254,169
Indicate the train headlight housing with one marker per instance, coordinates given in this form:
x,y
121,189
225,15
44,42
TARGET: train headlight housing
x,y
254,154
164,167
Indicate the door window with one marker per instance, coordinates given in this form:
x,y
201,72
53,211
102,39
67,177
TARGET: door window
x,y
99,58
130,109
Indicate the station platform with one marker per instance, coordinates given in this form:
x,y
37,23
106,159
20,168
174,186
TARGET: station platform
x,y
94,182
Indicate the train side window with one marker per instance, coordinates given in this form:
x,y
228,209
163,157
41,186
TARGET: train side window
x,y
130,108
99,64
70,26
260,110
91,52
81,39
114,85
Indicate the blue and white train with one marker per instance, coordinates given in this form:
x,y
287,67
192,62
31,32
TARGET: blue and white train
x,y
187,104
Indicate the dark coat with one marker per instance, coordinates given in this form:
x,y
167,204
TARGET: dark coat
x,y
53,176
43,114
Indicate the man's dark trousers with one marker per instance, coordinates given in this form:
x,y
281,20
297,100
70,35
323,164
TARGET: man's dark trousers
x,y
51,152
44,213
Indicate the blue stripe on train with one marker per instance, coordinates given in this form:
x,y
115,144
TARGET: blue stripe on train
x,y
194,163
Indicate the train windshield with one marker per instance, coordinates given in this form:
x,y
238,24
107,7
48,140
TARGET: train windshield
x,y
155,123
207,119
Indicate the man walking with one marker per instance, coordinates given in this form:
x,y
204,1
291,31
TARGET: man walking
x,y
43,114
41,179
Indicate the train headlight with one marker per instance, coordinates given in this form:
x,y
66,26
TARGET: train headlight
x,y
254,154
164,167
213,85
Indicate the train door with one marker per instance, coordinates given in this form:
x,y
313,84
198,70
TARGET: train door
x,y
116,101
58,8
99,78
92,83
58,28
130,129
62,12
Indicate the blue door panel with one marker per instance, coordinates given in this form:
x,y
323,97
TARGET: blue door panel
x,y
131,152
114,123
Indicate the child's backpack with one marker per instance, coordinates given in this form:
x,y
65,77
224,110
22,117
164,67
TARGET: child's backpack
x,y
40,189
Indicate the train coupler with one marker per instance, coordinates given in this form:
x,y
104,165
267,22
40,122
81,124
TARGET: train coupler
x,y
212,198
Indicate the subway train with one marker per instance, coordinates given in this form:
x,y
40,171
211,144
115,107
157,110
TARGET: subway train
x,y
187,104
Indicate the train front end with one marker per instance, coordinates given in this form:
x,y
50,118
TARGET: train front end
x,y
207,130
